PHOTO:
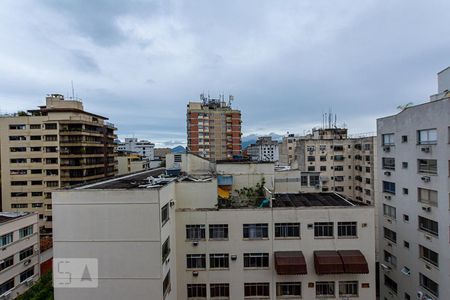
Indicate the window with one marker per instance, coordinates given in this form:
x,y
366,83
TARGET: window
x,y
388,139
314,180
404,138
35,160
19,205
389,187
196,261
164,214
18,172
428,166
429,255
36,205
347,229
7,262
218,231
339,168
304,180
311,168
348,288
388,163
389,211
26,231
256,231
19,194
427,196
6,239
17,138
405,218
391,259
36,171
405,165
177,158
429,285
26,253
390,235
17,127
35,138
50,126
165,249
289,289
406,244
429,226
257,289
52,183
26,274
323,158
405,191
21,183
196,291
427,137
18,149
339,157
220,290
323,229
219,261
323,168
311,158
166,284
195,232
256,260
391,284
7,286
18,160
35,149
324,288
287,230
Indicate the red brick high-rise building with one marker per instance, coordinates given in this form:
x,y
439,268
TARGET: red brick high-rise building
x,y
213,128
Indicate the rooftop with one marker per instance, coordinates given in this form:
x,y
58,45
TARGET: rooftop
x,y
311,200
8,216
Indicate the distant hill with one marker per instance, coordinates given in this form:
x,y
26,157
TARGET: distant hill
x,y
252,138
178,149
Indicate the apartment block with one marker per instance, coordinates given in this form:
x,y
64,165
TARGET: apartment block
x,y
141,147
265,149
346,164
177,238
57,145
287,149
213,128
413,192
19,255
131,163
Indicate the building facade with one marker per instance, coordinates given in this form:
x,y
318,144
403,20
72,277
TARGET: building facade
x,y
142,147
57,145
131,163
265,149
19,258
181,243
213,129
287,149
413,191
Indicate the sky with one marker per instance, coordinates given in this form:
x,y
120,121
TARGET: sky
x,y
286,62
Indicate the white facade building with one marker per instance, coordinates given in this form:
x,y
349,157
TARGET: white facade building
x,y
413,192
19,255
143,147
265,149
171,238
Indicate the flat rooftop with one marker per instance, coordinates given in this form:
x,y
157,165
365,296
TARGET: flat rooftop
x,y
9,216
129,181
312,200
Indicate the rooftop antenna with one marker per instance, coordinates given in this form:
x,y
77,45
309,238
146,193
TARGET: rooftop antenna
x,y
73,90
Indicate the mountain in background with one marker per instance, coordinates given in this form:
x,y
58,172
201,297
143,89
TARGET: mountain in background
x,y
178,149
252,138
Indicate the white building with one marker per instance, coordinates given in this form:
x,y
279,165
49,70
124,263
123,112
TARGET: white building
x,y
413,188
19,255
172,238
143,147
265,149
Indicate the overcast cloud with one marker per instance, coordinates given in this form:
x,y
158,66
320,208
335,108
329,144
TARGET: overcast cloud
x,y
286,62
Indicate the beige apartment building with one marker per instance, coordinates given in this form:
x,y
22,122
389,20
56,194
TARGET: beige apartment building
x,y
213,128
346,164
131,162
19,255
57,145
182,238
413,193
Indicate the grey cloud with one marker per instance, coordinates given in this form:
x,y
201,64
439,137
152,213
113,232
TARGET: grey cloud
x,y
83,62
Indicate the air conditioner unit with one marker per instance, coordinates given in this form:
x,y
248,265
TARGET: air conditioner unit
x,y
195,243
426,208
387,173
195,273
387,197
426,178
406,271
385,267
233,257
317,186
27,262
386,148
426,149
419,295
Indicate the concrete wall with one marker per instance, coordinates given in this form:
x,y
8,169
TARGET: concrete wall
x,y
248,174
190,163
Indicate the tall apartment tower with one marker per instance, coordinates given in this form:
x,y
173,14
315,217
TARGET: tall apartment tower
x,y
213,128
55,146
413,188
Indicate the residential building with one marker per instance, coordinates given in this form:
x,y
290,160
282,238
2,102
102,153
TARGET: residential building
x,y
131,162
58,145
346,164
141,147
160,153
19,258
183,240
287,149
413,191
213,129
265,149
